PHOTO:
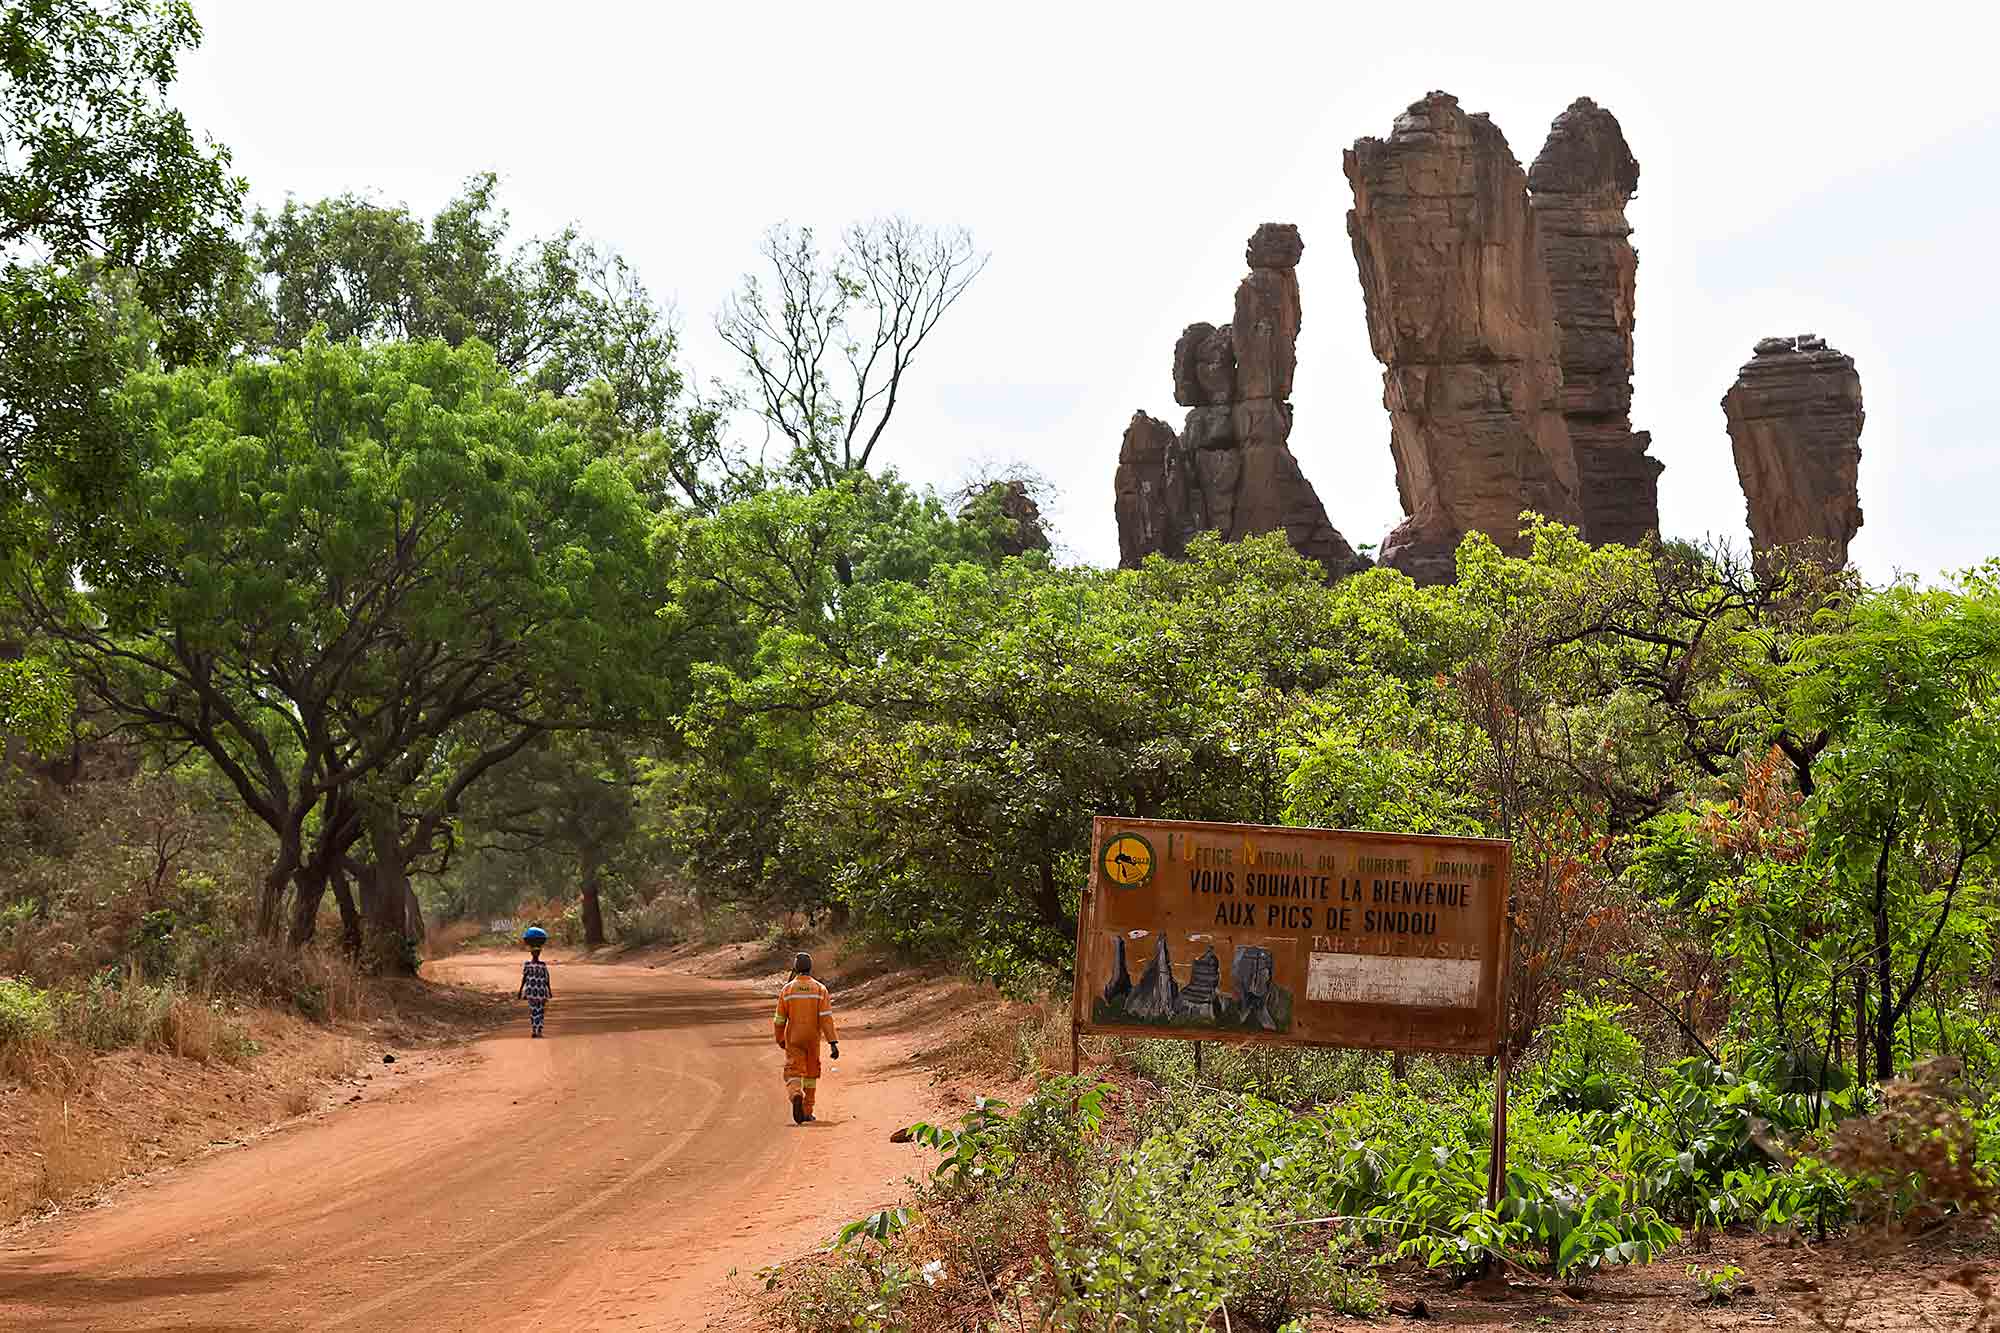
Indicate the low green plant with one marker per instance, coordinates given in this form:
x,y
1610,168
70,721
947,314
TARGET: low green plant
x,y
234,1044
1159,1249
1301,1273
1054,1123
113,1012
861,1292
1716,1286
1593,1061
26,1013
877,1226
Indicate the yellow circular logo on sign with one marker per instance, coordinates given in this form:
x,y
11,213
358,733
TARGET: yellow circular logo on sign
x,y
1127,860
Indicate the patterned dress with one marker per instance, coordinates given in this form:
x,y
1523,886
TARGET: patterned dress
x,y
535,987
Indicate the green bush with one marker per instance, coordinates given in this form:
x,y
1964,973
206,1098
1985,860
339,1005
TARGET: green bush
x,y
25,1012
1300,1273
112,1013
1593,1061
860,1292
1159,1250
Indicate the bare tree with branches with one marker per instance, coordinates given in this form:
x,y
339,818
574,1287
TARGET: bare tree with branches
x,y
827,340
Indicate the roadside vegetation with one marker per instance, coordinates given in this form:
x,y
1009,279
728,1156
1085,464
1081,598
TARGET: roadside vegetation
x,y
369,578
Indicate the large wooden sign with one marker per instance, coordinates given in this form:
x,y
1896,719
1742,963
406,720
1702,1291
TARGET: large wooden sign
x,y
1318,937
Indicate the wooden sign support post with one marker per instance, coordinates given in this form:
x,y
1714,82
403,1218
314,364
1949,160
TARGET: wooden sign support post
x,y
1496,1171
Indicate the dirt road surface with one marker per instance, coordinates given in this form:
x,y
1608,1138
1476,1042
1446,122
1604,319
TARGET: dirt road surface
x,y
608,1177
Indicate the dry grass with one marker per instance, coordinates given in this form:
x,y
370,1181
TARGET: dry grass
x,y
73,1159
191,1028
330,1059
73,1117
1045,1036
345,988
1008,1040
447,939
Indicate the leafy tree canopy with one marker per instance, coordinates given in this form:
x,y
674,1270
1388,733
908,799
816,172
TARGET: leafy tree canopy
x,y
560,312
111,214
368,575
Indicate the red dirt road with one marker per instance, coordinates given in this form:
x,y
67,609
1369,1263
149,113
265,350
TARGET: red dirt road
x,y
609,1176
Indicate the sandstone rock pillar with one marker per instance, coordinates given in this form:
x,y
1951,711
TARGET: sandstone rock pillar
x,y
1795,421
1461,317
1578,187
1231,469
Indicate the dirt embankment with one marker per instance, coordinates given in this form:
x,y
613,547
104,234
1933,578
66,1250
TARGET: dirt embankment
x,y
88,1126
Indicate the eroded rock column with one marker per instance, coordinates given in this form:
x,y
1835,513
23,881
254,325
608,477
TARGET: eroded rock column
x,y
1231,470
1578,188
1795,421
1461,317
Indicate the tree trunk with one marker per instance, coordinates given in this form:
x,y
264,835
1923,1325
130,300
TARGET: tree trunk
x,y
593,910
1885,1017
1048,901
276,880
305,905
1860,1025
413,913
385,894
1885,1021
350,916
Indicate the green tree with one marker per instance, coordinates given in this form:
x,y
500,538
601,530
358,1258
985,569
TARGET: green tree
x,y
112,217
564,812
1905,811
359,581
559,311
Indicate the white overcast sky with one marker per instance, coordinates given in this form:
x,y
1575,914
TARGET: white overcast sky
x,y
1804,167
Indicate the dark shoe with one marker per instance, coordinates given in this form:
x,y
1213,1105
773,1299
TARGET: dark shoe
x,y
812,1120
799,1116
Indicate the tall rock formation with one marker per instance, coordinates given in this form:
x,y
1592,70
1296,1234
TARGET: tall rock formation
x,y
1154,509
1795,420
1231,469
1460,315
1578,187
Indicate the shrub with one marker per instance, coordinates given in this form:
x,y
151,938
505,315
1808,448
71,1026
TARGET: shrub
x,y
664,920
861,1292
1159,1249
1917,1160
1593,1061
111,1013
320,984
25,1012
728,924
1297,1274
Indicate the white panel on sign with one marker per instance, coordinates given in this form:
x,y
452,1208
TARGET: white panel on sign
x,y
1359,978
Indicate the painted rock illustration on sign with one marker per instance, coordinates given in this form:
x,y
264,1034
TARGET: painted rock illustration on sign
x,y
1249,998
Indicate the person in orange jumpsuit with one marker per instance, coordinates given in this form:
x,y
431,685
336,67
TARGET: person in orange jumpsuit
x,y
804,1018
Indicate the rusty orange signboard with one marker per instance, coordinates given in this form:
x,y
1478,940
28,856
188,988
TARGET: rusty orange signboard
x,y
1317,937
